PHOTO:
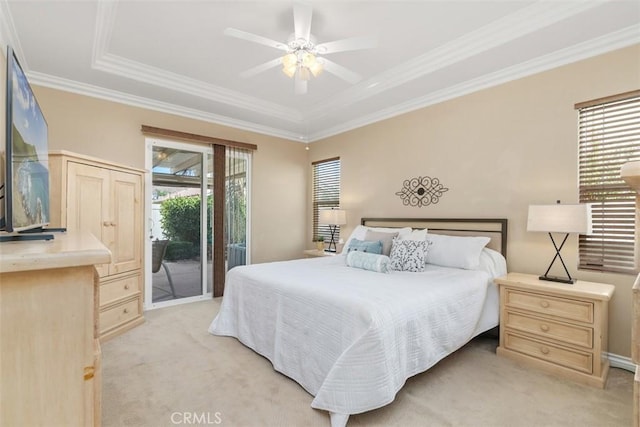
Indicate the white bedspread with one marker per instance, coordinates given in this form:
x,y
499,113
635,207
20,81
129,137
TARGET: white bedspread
x,y
350,337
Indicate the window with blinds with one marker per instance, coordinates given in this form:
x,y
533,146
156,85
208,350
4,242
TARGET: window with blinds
x,y
609,136
326,193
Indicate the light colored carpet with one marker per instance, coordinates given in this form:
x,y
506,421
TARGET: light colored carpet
x,y
171,371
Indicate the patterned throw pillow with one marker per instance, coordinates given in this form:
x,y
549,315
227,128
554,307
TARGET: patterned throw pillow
x,y
408,255
365,246
366,261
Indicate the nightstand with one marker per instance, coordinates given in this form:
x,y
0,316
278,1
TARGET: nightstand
x,y
310,253
556,327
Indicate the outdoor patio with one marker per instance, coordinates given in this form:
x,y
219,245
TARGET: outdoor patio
x,y
186,277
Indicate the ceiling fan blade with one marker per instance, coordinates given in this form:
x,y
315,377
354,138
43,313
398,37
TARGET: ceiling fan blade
x,y
354,43
260,68
300,85
302,13
233,32
340,71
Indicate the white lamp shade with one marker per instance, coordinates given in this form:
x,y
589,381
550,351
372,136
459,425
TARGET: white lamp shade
x,y
332,216
560,218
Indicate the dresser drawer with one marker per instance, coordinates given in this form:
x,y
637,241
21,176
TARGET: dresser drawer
x,y
119,289
569,309
119,314
576,360
567,333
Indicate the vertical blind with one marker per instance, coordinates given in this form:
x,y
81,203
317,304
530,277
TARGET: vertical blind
x,y
326,193
609,136
236,200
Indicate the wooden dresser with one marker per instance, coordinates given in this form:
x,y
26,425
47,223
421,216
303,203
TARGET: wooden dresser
x,y
50,362
556,327
105,199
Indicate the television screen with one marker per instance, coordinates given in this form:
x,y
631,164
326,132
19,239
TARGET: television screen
x,y
26,171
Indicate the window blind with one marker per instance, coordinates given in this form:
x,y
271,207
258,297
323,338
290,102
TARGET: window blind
x,y
609,136
326,193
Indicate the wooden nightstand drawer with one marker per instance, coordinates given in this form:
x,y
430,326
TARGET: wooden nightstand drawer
x,y
571,334
581,311
576,360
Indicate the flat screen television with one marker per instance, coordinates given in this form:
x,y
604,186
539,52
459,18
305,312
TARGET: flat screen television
x,y
26,164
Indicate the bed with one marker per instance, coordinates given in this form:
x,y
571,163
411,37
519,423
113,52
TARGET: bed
x,y
352,337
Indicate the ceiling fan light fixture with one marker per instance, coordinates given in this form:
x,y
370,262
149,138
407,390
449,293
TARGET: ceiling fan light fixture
x,y
290,71
290,60
301,61
316,68
307,59
304,73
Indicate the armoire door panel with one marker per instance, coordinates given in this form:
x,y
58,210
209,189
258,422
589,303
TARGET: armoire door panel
x,y
126,222
88,204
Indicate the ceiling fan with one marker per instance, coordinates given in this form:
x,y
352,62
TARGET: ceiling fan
x,y
303,57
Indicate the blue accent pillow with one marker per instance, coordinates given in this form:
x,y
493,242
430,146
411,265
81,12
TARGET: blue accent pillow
x,y
368,261
365,246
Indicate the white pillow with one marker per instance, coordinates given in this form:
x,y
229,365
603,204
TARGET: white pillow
x,y
360,231
493,263
415,235
455,251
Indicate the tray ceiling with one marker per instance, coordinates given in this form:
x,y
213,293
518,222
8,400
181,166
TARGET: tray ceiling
x,y
173,56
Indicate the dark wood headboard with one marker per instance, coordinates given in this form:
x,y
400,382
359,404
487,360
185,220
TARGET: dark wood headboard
x,y
494,228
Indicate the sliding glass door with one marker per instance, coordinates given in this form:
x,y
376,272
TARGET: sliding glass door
x,y
179,230
182,249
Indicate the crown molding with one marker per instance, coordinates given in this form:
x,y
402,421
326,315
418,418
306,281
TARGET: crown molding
x,y
499,32
105,18
123,67
9,35
53,82
612,41
114,64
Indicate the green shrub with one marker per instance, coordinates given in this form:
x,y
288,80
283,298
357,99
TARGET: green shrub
x,y
181,250
180,219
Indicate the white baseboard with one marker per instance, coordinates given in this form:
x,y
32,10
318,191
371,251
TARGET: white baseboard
x,y
617,361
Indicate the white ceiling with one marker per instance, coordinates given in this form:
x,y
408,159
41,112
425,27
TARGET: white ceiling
x,y
172,55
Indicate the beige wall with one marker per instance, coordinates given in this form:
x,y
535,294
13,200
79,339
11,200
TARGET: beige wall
x,y
111,131
498,151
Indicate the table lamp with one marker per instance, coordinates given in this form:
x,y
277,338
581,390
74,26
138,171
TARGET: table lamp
x,y
333,218
560,218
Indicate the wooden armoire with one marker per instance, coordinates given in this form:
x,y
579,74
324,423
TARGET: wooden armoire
x,y
105,199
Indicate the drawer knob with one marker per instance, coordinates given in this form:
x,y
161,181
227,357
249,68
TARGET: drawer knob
x,y
126,286
106,223
544,328
544,350
126,310
544,304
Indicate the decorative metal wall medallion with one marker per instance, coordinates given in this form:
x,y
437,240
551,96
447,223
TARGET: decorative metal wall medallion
x,y
421,191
